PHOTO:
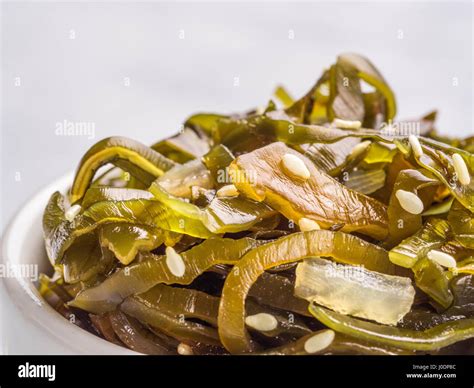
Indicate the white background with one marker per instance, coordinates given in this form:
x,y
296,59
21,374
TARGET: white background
x,y
419,47
82,79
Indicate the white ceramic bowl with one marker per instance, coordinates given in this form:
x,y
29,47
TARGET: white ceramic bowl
x,y
23,245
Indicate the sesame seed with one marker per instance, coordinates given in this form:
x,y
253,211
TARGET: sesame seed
x,y
175,262
72,212
307,224
262,322
409,201
461,169
319,341
185,349
360,148
295,166
324,89
442,258
227,191
347,124
415,145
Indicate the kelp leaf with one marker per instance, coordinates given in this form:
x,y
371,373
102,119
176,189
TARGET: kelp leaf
x,y
261,176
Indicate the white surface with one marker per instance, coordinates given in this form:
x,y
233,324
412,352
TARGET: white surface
x,y
83,79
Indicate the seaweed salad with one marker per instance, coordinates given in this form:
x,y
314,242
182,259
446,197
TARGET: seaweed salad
x,y
321,225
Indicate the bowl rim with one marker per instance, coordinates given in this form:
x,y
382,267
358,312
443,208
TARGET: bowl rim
x,y
26,297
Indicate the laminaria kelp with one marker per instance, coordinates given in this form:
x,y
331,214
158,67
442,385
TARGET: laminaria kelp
x,y
322,225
